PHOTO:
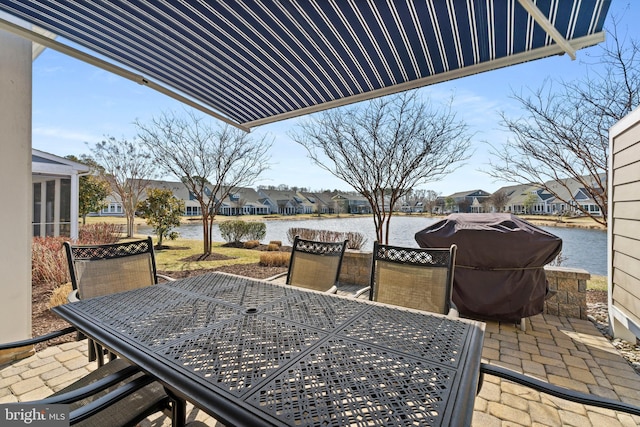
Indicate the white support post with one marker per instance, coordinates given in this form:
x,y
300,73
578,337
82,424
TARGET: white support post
x,y
15,172
75,194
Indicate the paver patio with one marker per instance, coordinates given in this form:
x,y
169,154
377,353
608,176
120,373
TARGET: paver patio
x,y
567,352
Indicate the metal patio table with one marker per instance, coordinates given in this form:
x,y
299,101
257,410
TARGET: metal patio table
x,y
250,352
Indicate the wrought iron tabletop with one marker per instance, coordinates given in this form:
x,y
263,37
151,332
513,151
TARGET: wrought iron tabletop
x,y
255,353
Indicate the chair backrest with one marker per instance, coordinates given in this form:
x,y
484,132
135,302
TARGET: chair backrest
x,y
315,265
97,270
414,278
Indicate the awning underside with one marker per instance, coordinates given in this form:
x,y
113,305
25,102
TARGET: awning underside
x,y
255,62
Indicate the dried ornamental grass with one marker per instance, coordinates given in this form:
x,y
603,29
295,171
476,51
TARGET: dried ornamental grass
x,y
59,295
250,244
275,259
100,233
48,261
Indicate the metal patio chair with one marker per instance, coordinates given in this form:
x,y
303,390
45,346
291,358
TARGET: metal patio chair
x,y
315,265
553,390
98,270
415,278
114,394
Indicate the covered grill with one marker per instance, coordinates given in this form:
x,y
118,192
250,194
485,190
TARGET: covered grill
x,y
499,271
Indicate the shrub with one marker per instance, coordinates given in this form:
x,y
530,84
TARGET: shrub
x,y
304,233
256,230
48,261
273,247
99,233
355,240
275,259
236,230
251,244
233,231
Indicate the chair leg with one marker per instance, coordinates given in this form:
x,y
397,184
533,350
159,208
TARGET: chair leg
x,y
92,350
98,353
523,324
178,410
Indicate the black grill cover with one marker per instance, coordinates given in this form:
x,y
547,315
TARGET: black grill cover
x,y
499,271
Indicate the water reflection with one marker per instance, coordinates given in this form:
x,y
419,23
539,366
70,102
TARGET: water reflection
x,y
582,248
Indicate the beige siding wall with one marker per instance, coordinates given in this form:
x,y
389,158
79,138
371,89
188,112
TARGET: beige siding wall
x,y
624,227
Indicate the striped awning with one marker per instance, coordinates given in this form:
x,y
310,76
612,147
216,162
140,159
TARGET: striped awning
x,y
251,62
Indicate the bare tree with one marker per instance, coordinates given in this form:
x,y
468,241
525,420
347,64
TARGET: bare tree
x,y
430,201
385,147
240,203
127,167
562,138
210,161
464,205
529,202
499,200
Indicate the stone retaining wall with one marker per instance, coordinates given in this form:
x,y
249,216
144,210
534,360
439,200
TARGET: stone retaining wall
x,y
356,268
570,284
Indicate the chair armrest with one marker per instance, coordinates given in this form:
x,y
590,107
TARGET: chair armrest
x,y
360,292
109,399
167,278
91,389
453,310
277,276
553,390
38,339
73,296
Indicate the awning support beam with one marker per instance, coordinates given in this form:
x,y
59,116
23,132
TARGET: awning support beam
x,y
47,41
546,25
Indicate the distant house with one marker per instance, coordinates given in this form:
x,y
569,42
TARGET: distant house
x,y
463,202
243,201
525,199
352,203
581,196
412,207
113,204
56,184
321,203
239,201
544,202
180,192
283,202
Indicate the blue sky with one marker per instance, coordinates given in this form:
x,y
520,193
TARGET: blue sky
x,y
76,105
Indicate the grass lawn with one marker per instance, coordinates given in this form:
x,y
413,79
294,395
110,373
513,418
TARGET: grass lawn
x,y
597,283
177,255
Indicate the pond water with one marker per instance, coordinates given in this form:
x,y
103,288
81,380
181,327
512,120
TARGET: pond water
x,y
582,248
